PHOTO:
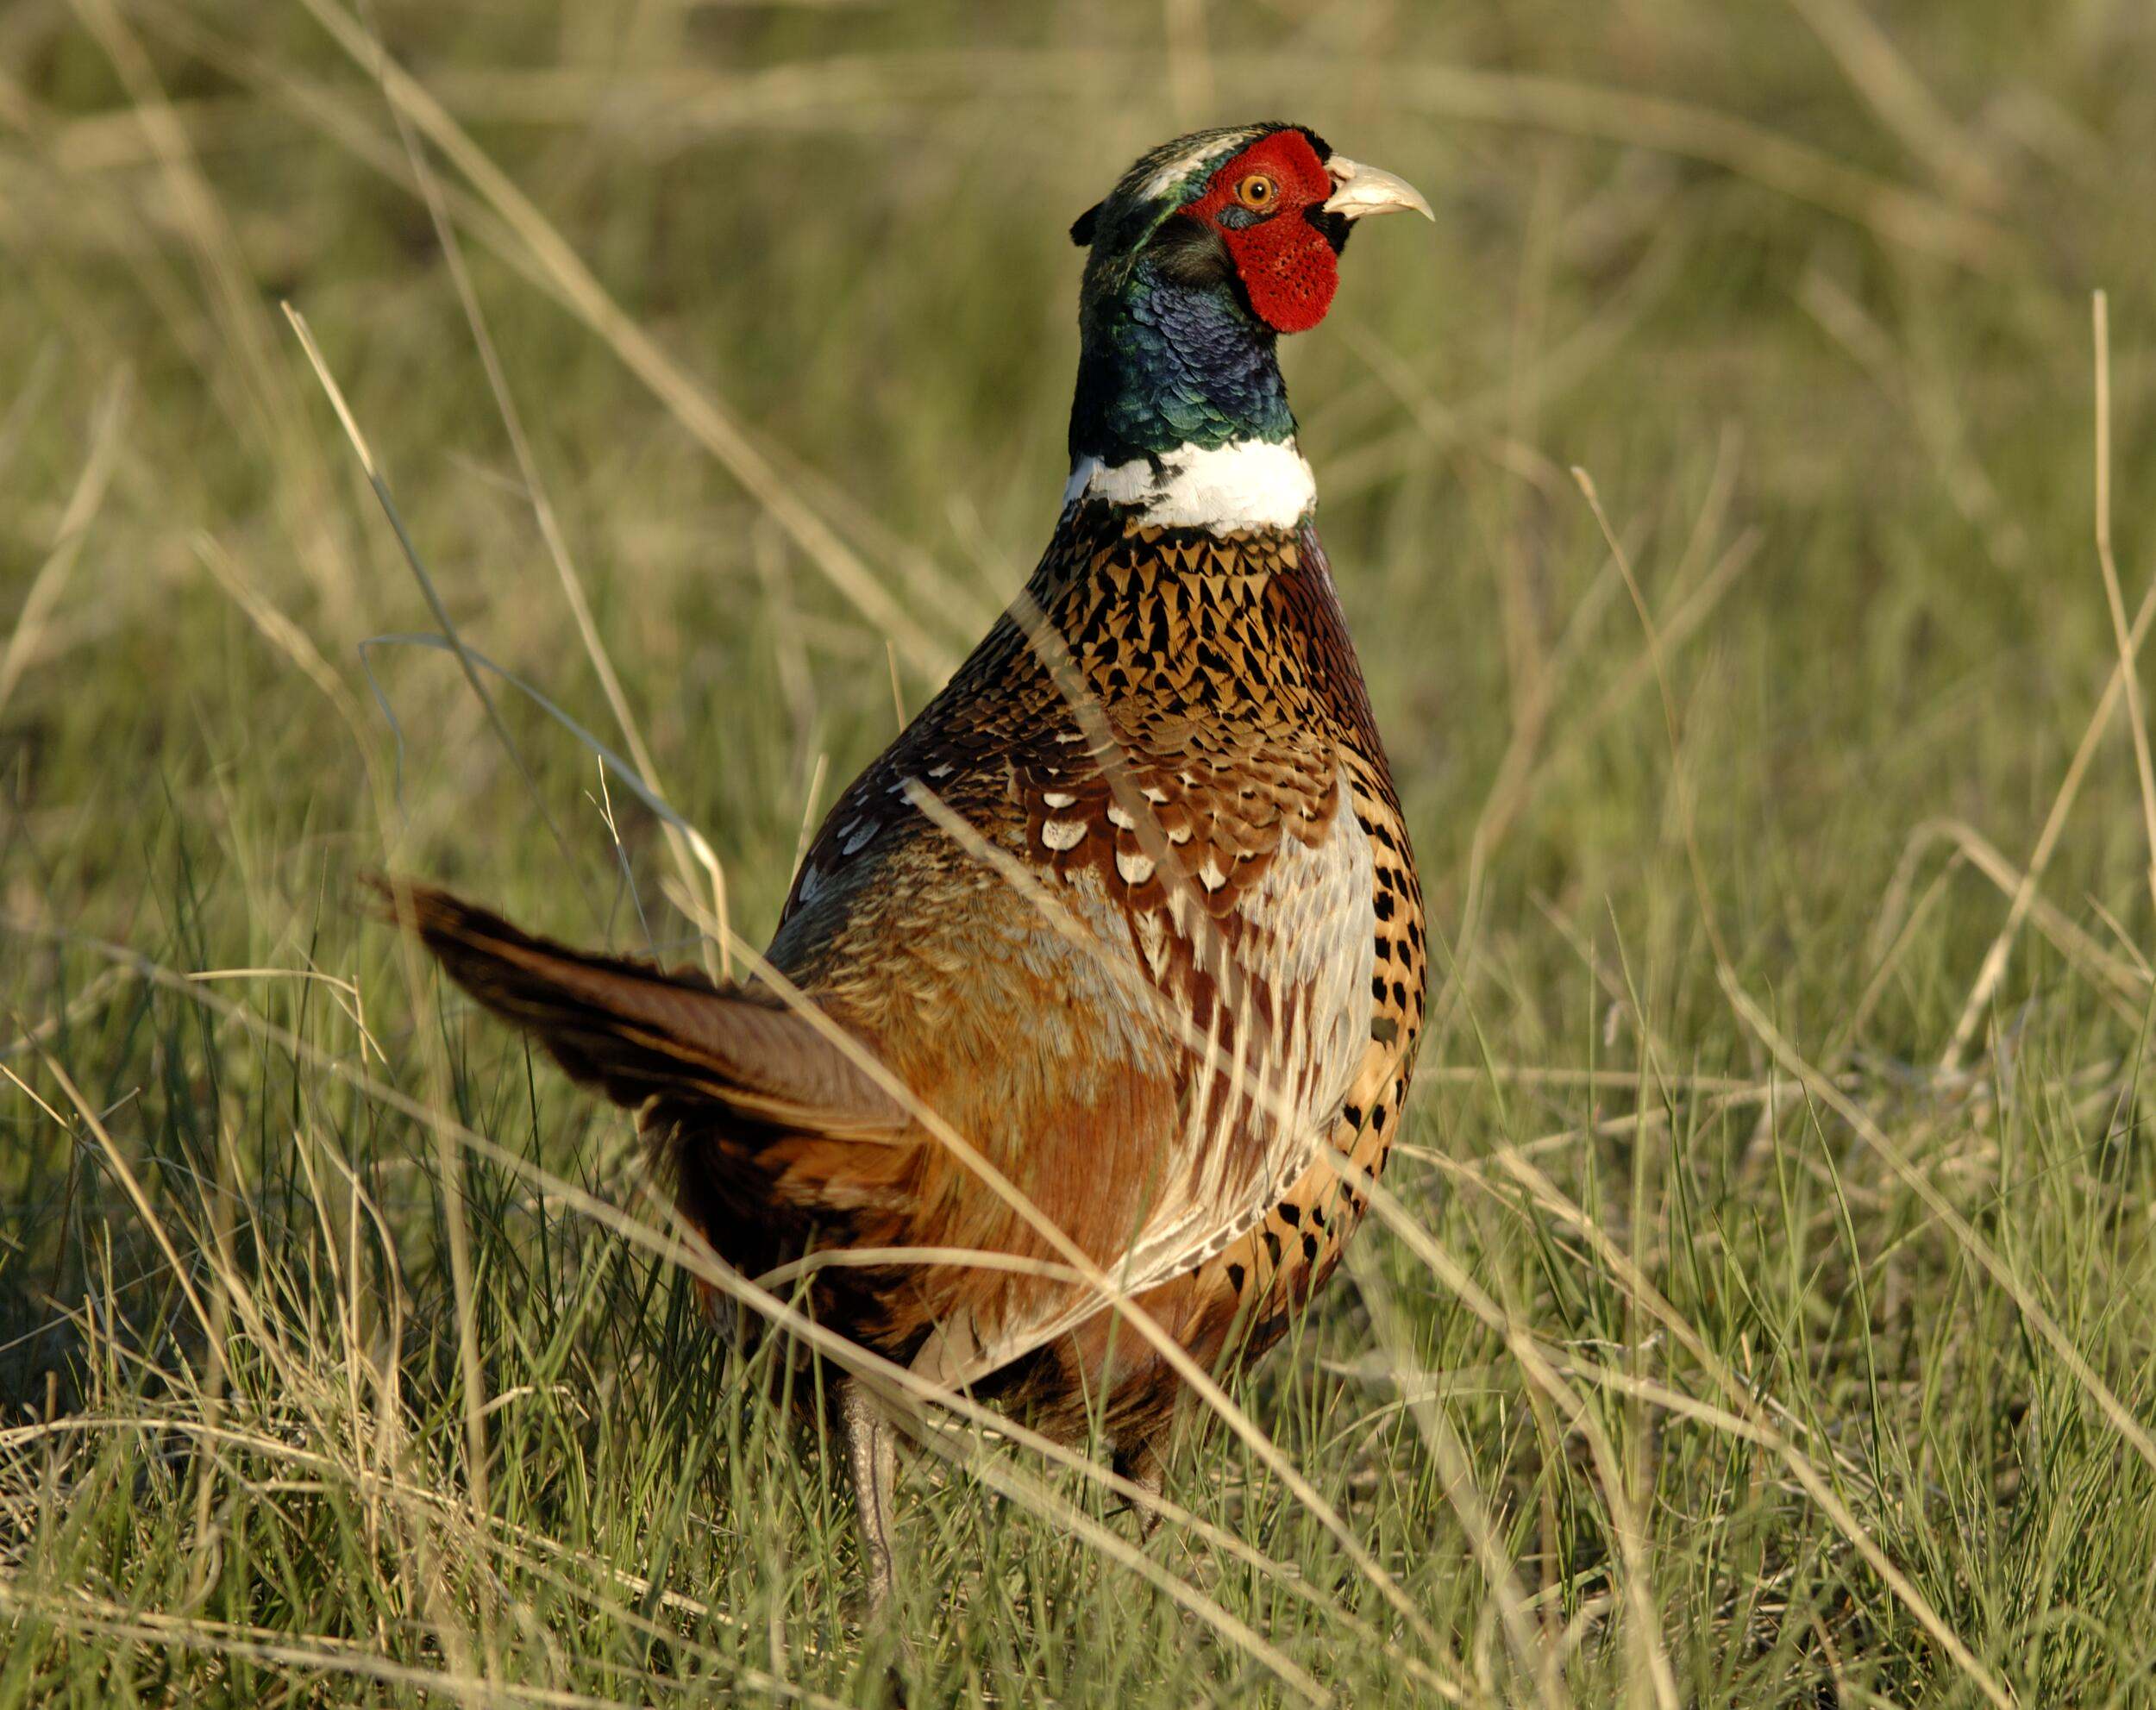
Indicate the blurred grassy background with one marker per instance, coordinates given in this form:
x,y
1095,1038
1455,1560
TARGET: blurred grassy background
x,y
1737,945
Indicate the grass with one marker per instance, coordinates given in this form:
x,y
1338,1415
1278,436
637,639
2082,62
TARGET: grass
x,y
1764,1310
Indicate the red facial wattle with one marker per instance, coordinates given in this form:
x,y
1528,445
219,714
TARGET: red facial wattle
x,y
1287,265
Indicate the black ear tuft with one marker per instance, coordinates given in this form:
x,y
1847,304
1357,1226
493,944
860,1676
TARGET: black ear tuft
x,y
1082,227
1191,251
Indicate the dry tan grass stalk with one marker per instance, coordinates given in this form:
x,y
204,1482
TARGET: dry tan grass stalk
x,y
695,406
848,88
2130,1429
333,1655
1882,74
1636,1283
302,490
271,1440
718,963
1538,1662
2117,684
1680,777
2129,667
130,1182
2124,982
1894,212
75,517
86,1002
1541,1372
1525,760
670,106
1933,410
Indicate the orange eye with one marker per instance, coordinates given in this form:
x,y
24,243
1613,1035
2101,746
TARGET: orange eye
x,y
1258,191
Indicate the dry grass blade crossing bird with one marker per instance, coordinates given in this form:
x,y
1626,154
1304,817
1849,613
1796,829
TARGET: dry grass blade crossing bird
x,y
1174,971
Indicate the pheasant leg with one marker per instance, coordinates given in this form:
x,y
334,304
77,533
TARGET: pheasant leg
x,y
872,1460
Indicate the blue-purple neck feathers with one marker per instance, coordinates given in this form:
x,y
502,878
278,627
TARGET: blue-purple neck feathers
x,y
1165,363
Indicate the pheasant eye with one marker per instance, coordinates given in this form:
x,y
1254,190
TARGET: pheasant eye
x,y
1258,191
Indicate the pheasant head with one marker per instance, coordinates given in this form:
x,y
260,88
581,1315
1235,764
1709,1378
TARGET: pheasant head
x,y
1208,249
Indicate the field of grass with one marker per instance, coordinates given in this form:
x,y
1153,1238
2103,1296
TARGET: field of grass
x,y
1764,1311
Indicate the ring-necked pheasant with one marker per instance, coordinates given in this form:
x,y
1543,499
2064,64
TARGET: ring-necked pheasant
x,y
1129,907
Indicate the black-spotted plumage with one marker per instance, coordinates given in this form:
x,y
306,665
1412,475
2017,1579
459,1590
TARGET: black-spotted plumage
x,y
1210,733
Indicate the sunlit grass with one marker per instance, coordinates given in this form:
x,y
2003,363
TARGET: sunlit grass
x,y
1761,1310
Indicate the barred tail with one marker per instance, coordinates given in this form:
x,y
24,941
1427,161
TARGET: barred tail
x,y
638,1031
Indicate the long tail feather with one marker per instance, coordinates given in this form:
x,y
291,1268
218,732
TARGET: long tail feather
x,y
636,1031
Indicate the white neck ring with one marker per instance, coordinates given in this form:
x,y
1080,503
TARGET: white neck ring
x,y
1248,484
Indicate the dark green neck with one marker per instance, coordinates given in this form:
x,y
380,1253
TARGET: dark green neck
x,y
1163,364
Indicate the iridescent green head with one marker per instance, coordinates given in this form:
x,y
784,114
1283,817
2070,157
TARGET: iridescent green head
x,y
1208,250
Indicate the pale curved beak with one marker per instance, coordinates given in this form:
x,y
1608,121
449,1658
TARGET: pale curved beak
x,y
1370,190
